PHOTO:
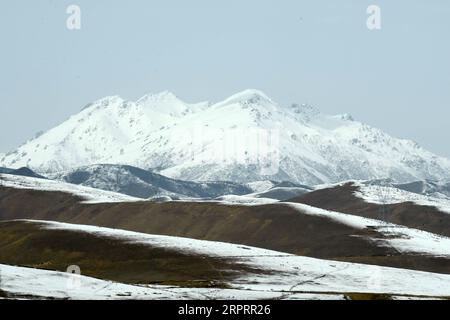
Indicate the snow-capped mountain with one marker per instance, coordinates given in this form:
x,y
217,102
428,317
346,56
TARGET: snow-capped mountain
x,y
247,137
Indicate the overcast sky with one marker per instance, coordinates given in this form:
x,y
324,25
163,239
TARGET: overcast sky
x,y
317,52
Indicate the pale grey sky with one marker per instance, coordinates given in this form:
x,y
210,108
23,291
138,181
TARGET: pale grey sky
x,y
318,52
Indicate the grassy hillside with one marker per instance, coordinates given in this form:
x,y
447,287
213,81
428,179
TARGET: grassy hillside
x,y
26,244
277,227
342,199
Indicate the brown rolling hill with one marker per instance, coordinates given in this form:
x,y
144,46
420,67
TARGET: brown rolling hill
x,y
276,227
342,199
27,244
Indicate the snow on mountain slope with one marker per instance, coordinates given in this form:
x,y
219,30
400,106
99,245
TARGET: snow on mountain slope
x,y
385,191
285,274
247,137
429,188
169,104
280,191
41,284
90,195
28,283
100,131
243,200
403,239
260,186
145,184
390,195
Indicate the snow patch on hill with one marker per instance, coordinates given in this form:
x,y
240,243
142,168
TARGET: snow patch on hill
x,y
287,275
260,186
90,195
390,195
403,239
30,283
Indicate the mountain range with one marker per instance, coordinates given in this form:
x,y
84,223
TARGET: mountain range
x,y
247,137
145,184
25,172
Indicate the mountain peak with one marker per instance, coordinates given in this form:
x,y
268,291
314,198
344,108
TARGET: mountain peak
x,y
164,96
251,96
109,99
165,102
104,102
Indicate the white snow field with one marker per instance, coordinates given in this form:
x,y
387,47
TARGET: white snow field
x,y
247,137
90,195
286,276
27,283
